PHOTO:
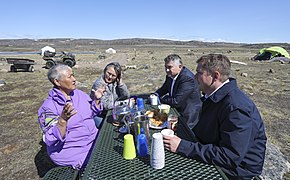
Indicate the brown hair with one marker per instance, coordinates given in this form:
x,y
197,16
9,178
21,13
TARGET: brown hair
x,y
216,62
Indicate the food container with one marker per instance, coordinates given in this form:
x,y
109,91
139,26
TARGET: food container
x,y
164,108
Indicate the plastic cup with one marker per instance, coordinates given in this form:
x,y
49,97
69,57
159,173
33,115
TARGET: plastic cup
x,y
140,103
167,132
142,146
153,100
157,158
164,108
129,151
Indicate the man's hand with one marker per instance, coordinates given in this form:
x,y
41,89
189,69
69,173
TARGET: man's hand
x,y
171,143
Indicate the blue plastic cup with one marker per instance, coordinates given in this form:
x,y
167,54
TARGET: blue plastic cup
x,y
140,103
142,146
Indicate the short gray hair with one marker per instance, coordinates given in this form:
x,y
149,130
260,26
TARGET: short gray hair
x,y
174,58
56,72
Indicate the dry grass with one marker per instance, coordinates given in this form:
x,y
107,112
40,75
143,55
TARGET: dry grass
x,y
21,155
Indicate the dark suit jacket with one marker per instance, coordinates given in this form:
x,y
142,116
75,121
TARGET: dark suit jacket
x,y
185,97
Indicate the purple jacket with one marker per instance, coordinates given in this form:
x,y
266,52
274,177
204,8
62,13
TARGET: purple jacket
x,y
81,130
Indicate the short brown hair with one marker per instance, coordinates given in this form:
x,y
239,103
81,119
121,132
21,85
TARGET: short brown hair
x,y
216,62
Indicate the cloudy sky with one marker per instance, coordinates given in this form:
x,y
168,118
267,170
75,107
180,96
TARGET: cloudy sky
x,y
246,21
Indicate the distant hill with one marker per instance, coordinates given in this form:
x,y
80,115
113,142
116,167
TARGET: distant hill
x,y
91,44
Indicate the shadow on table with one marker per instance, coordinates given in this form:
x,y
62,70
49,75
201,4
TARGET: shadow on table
x,y
110,119
42,160
119,149
144,159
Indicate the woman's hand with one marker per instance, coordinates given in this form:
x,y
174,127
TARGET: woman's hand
x,y
119,80
68,111
99,92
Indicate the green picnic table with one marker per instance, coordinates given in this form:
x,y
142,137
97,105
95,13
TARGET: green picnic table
x,y
107,162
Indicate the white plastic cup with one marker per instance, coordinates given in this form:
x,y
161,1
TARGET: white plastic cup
x,y
167,132
157,158
153,100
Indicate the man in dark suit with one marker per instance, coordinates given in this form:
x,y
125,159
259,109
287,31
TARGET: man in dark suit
x,y
180,90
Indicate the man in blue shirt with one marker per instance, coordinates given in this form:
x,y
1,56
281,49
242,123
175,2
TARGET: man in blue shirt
x,y
230,132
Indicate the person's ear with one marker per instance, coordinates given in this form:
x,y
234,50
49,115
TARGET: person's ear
x,y
216,75
56,82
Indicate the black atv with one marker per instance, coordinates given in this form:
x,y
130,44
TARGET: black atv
x,y
65,58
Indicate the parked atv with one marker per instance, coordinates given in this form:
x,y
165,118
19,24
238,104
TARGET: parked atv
x,y
65,58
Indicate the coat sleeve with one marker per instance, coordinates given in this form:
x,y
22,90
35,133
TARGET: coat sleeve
x,y
97,111
122,90
185,87
235,137
164,89
48,119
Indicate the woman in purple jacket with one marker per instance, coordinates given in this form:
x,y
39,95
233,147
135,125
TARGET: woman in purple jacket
x,y
66,119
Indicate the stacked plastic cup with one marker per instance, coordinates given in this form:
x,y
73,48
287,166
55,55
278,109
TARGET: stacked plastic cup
x,y
157,158
129,151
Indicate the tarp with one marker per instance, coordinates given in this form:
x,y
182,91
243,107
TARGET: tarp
x,y
111,51
47,48
275,51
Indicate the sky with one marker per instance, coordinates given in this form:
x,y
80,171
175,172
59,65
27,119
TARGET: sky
x,y
244,21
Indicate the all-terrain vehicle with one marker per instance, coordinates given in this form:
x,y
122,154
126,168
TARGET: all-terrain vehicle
x,y
65,58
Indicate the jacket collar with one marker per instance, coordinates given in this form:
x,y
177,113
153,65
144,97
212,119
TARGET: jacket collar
x,y
223,91
58,96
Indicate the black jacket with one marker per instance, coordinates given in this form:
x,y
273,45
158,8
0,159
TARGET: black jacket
x,y
185,97
230,134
